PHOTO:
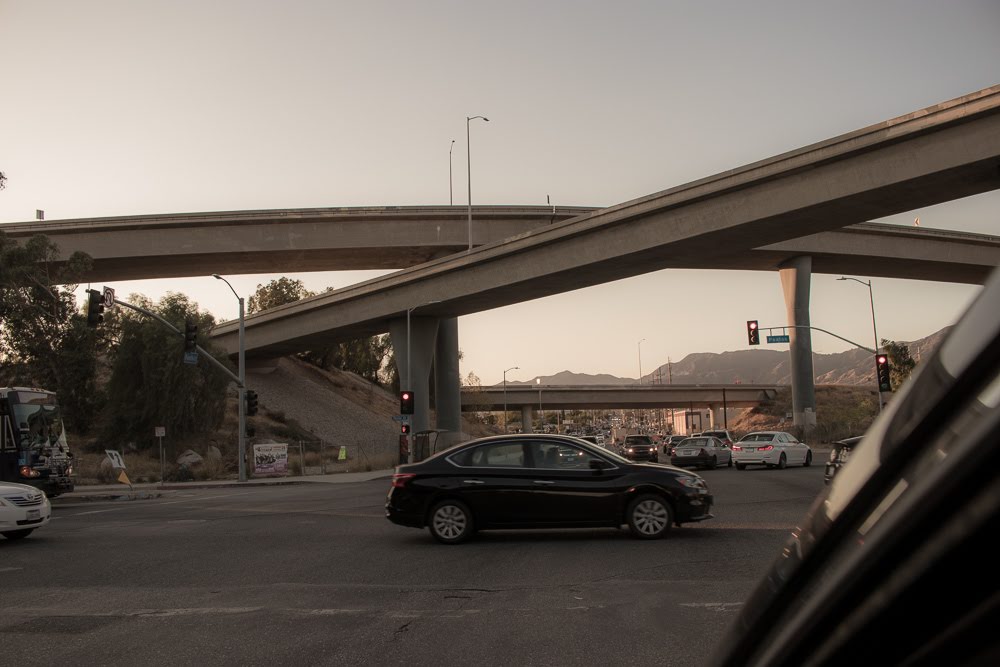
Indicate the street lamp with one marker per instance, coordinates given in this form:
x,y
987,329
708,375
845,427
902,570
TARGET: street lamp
x,y
468,155
541,417
451,193
639,345
871,300
513,368
242,387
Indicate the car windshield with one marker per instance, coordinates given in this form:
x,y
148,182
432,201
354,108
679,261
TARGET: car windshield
x,y
716,434
637,440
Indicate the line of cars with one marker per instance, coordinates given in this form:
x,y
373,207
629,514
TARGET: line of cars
x,y
710,449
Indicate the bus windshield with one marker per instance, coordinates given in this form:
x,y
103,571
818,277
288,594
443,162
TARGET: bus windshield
x,y
40,425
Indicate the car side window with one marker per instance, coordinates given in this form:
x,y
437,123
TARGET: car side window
x,y
492,455
559,456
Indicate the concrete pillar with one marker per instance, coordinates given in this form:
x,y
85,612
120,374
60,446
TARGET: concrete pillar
x,y
527,419
795,279
423,335
714,416
448,381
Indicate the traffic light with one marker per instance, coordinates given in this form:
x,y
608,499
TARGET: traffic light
x,y
95,308
404,429
251,403
882,372
753,333
406,402
190,336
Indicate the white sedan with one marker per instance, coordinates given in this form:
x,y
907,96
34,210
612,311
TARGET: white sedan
x,y
23,508
774,449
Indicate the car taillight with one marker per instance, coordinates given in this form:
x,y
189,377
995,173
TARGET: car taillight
x,y
737,448
766,448
29,472
400,479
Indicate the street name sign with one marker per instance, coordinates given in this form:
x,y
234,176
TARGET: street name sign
x,y
778,339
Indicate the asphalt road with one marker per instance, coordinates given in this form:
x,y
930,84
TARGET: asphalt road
x,y
314,574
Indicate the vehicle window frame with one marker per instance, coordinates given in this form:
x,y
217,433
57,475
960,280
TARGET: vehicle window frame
x,y
495,443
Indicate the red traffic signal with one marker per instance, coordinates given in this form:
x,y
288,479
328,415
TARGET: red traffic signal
x,y
406,402
753,332
882,373
404,429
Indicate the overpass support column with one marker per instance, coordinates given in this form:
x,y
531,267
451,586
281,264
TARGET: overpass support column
x,y
527,419
795,279
714,416
415,356
448,381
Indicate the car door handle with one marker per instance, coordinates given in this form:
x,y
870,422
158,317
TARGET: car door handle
x,y
472,481
544,482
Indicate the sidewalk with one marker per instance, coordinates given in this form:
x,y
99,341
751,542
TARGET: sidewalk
x,y
121,492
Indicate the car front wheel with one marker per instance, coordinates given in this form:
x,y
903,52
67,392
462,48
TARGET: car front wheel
x,y
649,517
450,522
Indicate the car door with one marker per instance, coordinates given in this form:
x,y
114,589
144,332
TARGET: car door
x,y
567,491
491,480
799,448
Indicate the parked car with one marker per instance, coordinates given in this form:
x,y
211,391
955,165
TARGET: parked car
x,y
640,448
704,451
672,441
541,481
773,449
841,451
723,435
23,509
895,562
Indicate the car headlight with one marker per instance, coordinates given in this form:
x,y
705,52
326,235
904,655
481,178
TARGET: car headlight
x,y
692,482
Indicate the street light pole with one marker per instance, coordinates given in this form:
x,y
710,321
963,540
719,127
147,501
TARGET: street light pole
x,y
639,345
541,417
871,300
468,157
242,386
513,368
451,193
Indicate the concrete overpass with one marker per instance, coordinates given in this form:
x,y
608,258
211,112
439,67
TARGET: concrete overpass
x,y
716,398
338,239
615,397
941,153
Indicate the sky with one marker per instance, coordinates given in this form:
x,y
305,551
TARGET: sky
x,y
116,107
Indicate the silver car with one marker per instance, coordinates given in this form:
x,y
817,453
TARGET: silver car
x,y
704,451
23,508
773,449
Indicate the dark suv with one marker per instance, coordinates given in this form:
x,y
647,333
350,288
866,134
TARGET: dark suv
x,y
639,448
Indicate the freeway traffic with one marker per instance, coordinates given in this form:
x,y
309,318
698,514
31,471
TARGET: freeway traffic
x,y
313,573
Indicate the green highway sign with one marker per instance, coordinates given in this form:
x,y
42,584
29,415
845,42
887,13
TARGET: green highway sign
x,y
778,339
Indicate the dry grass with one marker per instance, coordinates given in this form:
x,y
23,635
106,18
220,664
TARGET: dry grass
x,y
841,412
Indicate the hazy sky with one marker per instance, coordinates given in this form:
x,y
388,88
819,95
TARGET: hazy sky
x,y
124,107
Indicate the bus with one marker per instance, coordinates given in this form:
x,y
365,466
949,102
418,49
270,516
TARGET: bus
x,y
33,447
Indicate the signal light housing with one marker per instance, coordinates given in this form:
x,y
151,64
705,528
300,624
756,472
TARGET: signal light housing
x,y
95,308
883,374
753,332
406,402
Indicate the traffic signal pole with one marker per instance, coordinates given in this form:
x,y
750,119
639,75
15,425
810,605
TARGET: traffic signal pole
x,y
830,333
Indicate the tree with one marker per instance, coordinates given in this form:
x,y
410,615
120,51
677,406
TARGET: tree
x,y
150,385
277,293
901,364
44,340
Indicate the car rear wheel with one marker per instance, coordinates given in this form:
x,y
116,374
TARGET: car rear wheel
x,y
649,517
741,466
450,522
730,463
809,460
17,534
782,462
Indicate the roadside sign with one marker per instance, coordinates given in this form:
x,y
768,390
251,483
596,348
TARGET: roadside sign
x,y
778,339
160,431
109,297
116,459
191,357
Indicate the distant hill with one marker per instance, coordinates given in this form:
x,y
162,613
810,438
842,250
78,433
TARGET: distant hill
x,y
761,366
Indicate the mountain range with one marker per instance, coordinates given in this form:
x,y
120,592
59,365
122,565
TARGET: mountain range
x,y
760,366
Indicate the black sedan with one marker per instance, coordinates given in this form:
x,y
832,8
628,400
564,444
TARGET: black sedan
x,y
542,481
